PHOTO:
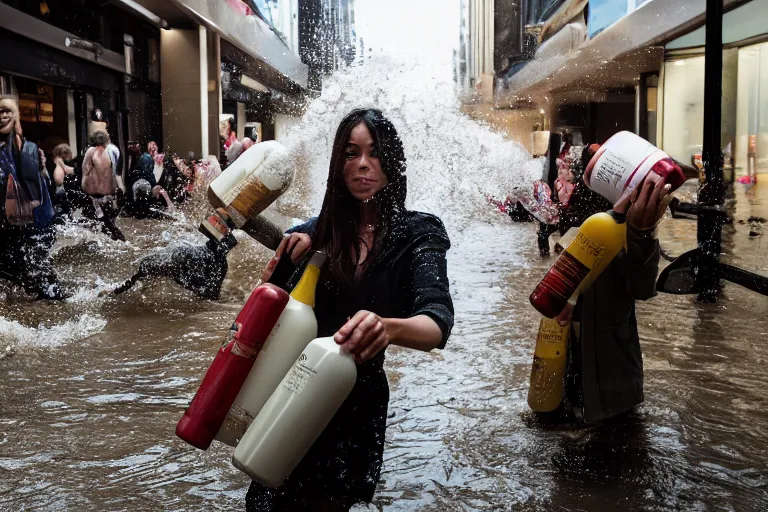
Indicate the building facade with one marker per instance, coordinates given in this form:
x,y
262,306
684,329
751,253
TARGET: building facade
x,y
167,70
591,68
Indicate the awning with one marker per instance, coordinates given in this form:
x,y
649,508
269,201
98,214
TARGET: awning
x,y
44,33
251,35
280,68
655,22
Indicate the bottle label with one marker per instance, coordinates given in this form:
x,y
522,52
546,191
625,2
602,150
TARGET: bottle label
x,y
564,276
239,349
552,339
624,162
546,387
249,198
296,379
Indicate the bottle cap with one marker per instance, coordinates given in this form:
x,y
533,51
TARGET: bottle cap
x,y
318,259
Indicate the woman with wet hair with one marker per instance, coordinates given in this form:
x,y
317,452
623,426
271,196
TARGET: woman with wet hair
x,y
385,284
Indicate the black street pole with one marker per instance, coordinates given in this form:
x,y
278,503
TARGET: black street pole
x,y
712,192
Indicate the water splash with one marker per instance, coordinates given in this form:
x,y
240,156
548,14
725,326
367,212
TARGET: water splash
x,y
42,336
452,160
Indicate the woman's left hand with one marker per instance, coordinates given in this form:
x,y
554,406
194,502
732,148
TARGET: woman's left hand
x,y
364,335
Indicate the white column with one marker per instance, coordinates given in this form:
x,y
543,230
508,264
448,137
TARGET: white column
x,y
203,90
240,121
71,121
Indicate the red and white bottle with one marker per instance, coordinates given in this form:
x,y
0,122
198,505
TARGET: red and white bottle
x,y
233,362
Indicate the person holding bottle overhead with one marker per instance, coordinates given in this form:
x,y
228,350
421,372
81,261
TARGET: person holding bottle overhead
x,y
385,283
604,369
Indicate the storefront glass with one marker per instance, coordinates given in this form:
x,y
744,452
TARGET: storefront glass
x,y
683,108
752,111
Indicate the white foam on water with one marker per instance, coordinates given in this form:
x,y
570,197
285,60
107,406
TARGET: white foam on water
x,y
50,336
452,160
97,291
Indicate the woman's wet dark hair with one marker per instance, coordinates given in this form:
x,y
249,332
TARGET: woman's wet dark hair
x,y
338,226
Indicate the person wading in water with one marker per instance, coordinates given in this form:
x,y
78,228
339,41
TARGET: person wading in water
x,y
386,283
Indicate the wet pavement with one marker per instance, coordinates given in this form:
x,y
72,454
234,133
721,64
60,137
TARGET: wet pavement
x,y
90,399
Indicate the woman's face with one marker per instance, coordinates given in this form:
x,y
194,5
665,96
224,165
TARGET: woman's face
x,y
362,167
7,119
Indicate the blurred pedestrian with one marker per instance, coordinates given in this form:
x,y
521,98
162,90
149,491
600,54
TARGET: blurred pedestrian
x,y
26,211
141,177
228,132
64,180
100,183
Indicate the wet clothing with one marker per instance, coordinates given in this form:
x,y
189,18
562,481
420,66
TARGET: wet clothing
x,y
604,376
25,260
25,167
25,250
142,169
174,182
583,203
408,277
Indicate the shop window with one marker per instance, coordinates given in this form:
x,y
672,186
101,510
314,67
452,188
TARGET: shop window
x,y
684,108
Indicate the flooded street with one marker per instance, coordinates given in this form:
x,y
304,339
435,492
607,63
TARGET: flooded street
x,y
90,423
92,387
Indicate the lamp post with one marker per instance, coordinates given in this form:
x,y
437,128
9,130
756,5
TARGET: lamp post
x,y
712,192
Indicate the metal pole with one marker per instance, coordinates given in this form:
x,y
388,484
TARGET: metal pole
x,y
712,192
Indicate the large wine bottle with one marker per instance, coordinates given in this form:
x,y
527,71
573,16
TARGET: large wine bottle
x,y
248,186
295,328
599,240
297,412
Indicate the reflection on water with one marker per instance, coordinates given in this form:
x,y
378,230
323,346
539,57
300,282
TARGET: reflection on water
x,y
92,394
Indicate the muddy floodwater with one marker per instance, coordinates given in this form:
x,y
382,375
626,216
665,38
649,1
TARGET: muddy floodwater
x,y
90,399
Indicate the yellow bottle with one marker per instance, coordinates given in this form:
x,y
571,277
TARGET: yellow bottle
x,y
548,370
599,240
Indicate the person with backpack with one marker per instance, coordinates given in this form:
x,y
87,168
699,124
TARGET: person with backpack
x,y
26,211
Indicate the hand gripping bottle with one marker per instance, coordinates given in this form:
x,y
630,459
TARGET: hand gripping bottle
x,y
248,186
624,162
230,368
295,328
297,413
548,370
599,240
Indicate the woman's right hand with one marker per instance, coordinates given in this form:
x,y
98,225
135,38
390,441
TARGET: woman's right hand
x,y
296,244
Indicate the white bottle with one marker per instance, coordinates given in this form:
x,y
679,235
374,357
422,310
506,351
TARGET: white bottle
x,y
295,328
253,181
296,413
